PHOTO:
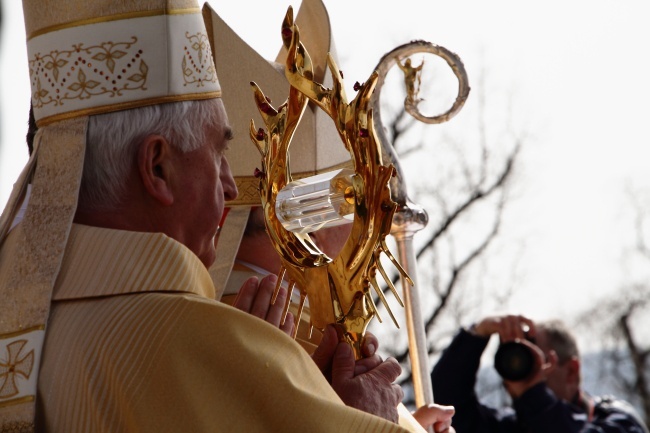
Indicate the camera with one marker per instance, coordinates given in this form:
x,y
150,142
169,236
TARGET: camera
x,y
514,360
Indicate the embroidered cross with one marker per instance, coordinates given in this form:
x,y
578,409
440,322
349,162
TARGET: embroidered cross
x,y
13,366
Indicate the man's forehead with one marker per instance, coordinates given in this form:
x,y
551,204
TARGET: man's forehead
x,y
223,124
219,128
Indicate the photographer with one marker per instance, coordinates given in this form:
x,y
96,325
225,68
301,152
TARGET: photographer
x,y
548,399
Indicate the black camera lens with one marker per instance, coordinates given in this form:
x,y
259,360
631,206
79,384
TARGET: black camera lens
x,y
514,361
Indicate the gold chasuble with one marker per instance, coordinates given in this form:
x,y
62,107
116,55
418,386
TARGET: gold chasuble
x,y
137,343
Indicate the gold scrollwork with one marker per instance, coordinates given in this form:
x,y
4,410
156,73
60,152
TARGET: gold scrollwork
x,y
109,68
198,65
351,275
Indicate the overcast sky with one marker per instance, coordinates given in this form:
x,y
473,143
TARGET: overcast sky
x,y
578,71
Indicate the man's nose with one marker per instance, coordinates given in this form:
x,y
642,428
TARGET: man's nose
x,y
230,191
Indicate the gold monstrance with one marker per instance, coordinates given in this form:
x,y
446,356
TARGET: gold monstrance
x,y
338,289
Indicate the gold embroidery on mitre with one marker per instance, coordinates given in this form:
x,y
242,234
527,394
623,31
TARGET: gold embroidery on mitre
x,y
109,68
16,364
198,65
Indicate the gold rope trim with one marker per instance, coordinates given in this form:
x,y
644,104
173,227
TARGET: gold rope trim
x,y
26,399
126,105
117,17
24,331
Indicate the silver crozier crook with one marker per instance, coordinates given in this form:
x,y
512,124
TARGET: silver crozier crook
x,y
409,217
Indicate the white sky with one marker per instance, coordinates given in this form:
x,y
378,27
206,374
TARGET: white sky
x,y
579,74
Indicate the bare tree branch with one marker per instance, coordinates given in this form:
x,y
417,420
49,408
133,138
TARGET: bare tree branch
x,y
476,196
622,321
638,360
462,266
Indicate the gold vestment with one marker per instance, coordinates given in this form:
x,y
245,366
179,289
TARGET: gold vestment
x,y
136,342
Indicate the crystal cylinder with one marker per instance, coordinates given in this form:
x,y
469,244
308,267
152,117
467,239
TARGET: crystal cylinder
x,y
324,200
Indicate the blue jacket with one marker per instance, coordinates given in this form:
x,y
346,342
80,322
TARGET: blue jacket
x,y
538,410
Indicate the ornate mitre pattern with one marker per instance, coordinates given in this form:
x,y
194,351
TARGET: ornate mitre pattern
x,y
86,68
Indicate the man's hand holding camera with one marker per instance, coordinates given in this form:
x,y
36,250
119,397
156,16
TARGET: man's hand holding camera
x,y
519,360
543,365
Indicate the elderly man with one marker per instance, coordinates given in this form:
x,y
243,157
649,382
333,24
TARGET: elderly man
x,y
120,302
548,399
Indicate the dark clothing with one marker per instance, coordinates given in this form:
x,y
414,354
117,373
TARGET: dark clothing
x,y
538,410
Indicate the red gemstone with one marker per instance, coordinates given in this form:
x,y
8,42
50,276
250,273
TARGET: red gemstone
x,y
363,132
286,33
357,86
260,134
258,173
266,108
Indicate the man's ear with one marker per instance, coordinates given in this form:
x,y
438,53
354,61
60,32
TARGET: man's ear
x,y
155,168
573,369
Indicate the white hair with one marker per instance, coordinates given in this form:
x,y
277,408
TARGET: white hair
x,y
113,140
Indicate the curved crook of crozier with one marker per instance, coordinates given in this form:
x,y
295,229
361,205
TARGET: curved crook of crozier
x,y
411,74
